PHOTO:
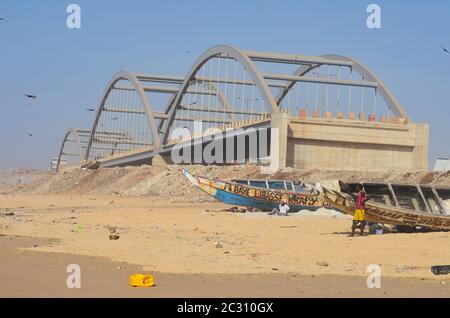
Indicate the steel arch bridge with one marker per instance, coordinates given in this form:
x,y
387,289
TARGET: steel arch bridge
x,y
73,147
224,89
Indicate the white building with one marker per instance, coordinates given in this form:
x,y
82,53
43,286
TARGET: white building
x,y
442,164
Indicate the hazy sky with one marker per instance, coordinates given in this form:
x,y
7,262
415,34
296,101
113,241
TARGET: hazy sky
x,y
69,68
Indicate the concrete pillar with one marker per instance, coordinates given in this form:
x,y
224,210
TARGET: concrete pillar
x,y
278,140
420,156
159,161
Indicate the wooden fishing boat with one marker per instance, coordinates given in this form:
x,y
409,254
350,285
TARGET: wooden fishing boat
x,y
422,206
259,193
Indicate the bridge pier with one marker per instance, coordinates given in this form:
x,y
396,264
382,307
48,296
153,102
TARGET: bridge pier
x,y
158,160
279,140
356,145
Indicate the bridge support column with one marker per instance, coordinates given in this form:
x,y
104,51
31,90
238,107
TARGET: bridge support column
x,y
159,161
278,140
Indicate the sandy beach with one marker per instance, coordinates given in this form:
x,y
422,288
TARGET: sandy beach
x,y
32,274
304,254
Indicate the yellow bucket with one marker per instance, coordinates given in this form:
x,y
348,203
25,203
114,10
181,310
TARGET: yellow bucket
x,y
141,280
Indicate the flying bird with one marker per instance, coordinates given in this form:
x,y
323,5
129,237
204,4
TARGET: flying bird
x,y
445,49
90,109
30,96
3,19
115,118
30,135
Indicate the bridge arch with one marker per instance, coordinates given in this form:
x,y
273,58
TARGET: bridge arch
x,y
73,145
145,103
382,88
220,51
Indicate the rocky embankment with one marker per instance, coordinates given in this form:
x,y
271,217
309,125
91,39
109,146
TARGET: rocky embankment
x,y
170,184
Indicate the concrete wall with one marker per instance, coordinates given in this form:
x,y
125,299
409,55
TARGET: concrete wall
x,y
343,144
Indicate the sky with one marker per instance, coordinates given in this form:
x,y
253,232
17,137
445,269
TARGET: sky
x,y
69,68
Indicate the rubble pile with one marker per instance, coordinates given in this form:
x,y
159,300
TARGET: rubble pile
x,y
168,183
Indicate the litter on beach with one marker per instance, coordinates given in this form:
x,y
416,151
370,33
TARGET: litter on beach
x,y
142,280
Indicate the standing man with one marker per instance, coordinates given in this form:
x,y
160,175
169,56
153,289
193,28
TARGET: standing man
x,y
358,216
